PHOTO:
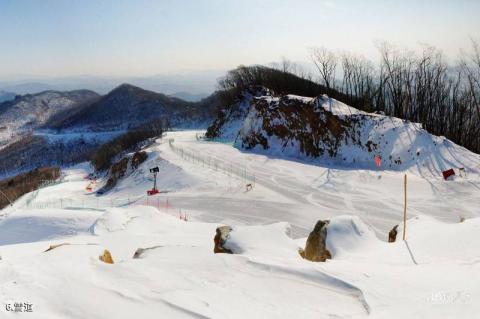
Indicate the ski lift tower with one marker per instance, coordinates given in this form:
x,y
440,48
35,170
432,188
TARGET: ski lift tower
x,y
154,190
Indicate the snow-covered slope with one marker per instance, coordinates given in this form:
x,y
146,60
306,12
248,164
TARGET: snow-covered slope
x,y
180,276
333,133
30,111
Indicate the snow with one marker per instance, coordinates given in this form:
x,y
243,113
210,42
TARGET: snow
x,y
432,275
335,107
73,136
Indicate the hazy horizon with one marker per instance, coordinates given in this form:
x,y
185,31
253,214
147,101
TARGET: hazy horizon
x,y
55,39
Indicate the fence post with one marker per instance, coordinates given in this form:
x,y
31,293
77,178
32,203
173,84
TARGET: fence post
x,y
405,206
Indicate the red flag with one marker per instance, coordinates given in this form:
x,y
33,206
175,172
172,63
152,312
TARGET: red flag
x,y
378,160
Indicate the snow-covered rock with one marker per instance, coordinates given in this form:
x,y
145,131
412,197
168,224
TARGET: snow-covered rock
x,y
331,132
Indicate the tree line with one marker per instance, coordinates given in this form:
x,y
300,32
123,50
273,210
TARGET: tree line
x,y
419,87
285,79
14,187
106,154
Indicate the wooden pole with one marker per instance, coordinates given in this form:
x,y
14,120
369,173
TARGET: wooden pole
x,y
405,206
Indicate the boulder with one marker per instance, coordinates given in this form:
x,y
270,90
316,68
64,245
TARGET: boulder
x,y
106,257
392,235
138,158
221,237
316,246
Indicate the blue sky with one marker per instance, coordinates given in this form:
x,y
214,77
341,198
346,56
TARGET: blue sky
x,y
53,38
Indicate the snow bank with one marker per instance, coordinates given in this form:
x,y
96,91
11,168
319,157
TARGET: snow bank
x,y
181,277
39,225
267,240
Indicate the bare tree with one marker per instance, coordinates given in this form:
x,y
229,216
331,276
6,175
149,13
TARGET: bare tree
x,y
326,63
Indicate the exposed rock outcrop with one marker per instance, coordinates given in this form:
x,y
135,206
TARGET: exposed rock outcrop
x,y
123,168
392,235
221,237
292,123
316,246
138,158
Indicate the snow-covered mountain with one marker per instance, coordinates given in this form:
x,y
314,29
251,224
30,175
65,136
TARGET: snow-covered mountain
x,y
60,128
6,96
129,106
28,112
326,130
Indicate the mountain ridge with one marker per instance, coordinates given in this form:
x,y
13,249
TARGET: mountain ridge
x,y
129,106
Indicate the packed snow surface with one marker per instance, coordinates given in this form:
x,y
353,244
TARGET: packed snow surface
x,y
434,274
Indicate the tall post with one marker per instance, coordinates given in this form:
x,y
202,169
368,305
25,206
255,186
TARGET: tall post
x,y
155,181
405,206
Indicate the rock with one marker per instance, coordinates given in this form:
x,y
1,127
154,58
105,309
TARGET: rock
x,y
106,257
301,251
138,158
221,236
55,246
316,248
139,252
392,235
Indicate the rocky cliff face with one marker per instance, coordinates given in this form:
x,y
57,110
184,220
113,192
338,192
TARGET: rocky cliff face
x,y
294,125
288,124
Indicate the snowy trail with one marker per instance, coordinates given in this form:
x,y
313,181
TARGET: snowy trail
x,y
297,192
315,192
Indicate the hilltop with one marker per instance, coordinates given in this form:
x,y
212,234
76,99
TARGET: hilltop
x,y
326,131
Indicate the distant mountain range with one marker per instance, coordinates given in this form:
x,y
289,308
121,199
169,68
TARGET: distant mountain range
x,y
124,107
128,106
54,127
198,84
30,111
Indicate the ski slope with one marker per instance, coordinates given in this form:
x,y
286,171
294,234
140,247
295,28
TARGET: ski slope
x,y
303,192
180,277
